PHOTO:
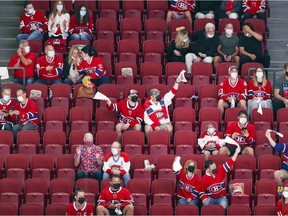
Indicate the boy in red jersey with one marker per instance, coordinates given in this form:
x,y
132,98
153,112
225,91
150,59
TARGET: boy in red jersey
x,y
6,104
79,206
254,8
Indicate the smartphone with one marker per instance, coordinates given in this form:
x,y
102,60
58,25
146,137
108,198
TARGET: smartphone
x,y
4,111
243,129
12,108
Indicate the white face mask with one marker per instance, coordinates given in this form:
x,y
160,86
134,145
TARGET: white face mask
x,y
114,151
285,194
27,49
242,121
82,13
211,130
229,31
86,58
234,75
259,74
210,35
51,53
185,40
30,11
20,99
6,97
247,34
59,7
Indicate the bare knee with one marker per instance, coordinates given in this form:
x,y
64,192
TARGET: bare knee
x,y
101,210
137,127
278,174
224,151
248,151
215,152
128,210
169,128
206,154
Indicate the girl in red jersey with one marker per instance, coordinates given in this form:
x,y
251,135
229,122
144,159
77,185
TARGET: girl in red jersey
x,y
282,204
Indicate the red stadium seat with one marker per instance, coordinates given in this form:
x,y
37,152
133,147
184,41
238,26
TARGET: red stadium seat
x,y
77,43
258,24
55,118
184,114
234,22
8,209
6,137
186,210
133,138
130,5
175,23
159,138
54,137
108,13
266,186
61,189
31,209
199,24
36,46
267,164
156,26
138,186
104,117
247,66
61,90
185,138
161,210
39,87
113,5
106,137
212,210
104,46
42,166
244,167
236,209
198,158
219,160
156,9
162,187
56,209
265,210
139,88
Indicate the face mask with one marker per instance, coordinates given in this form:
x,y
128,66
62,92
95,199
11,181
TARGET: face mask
x,y
6,98
27,49
81,200
214,171
191,168
20,99
210,35
51,54
89,143
247,34
286,73
114,151
158,98
229,31
242,121
134,98
31,11
211,130
59,7
234,75
82,13
86,58
185,40
259,74
116,185
285,194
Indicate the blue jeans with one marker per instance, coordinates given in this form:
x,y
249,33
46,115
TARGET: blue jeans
x,y
220,201
49,82
6,126
126,177
29,80
69,81
183,201
103,80
81,37
35,35
95,175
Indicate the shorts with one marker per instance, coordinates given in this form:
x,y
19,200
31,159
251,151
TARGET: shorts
x,y
232,149
163,126
285,174
177,15
210,151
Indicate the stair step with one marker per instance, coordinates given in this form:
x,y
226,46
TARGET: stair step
x,y
279,11
277,44
8,43
278,55
277,4
277,64
277,22
4,63
12,3
9,32
6,11
6,54
278,32
9,22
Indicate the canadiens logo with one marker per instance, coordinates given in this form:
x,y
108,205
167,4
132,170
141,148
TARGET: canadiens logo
x,y
216,188
181,4
240,139
159,114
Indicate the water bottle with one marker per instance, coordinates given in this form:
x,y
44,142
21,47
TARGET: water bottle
x,y
50,94
232,103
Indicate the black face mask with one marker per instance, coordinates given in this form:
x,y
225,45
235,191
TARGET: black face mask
x,y
134,98
214,171
116,186
286,73
81,200
158,98
191,168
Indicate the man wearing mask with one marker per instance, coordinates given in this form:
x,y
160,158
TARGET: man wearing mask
x,y
26,59
79,206
243,133
33,24
89,159
130,113
49,67
228,47
213,189
232,91
26,113
115,200
6,104
117,163
250,47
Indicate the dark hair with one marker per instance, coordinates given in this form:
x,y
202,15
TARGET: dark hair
x,y
89,50
27,3
85,19
250,25
115,176
22,89
242,112
208,163
77,190
285,65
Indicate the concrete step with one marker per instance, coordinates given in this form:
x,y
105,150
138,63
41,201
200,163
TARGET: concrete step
x,y
13,3
9,32
277,22
277,64
9,22
8,43
6,11
278,33
277,44
4,63
279,11
6,54
277,4
278,55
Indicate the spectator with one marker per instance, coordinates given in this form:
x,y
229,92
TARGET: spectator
x,y
280,175
207,42
232,91
213,189
89,159
259,91
250,46
88,89
26,59
115,200
92,65
49,67
229,9
180,9
205,9
210,143
79,206
282,207
131,113
189,182
58,23
179,47
243,133
254,8
6,104
70,73
26,114
228,47
156,115
117,163
281,91
81,24
33,24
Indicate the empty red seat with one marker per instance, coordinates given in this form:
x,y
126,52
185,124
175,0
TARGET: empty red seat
x,y
31,209
161,209
56,209
212,210
8,209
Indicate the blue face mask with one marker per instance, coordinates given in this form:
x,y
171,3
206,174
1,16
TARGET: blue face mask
x,y
82,13
31,11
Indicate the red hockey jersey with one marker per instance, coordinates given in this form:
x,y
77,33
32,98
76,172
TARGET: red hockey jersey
x,y
240,139
122,163
94,68
86,210
214,185
76,28
37,19
7,106
122,195
43,62
280,210
188,187
261,91
127,114
212,139
252,6
177,5
238,90
29,69
28,112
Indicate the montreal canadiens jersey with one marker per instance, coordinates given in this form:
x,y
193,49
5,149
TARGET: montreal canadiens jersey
x,y
94,68
238,90
87,210
177,5
55,73
259,91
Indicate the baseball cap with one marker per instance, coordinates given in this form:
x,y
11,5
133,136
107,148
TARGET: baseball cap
x,y
232,67
132,91
154,92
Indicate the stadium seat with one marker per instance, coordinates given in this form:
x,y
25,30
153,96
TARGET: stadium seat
x,y
267,116
265,210
247,67
8,209
36,46
133,137
56,209
17,161
159,138
108,13
258,24
104,46
234,22
105,119
28,137
6,138
156,26
186,210
219,160
266,187
65,161
125,79
185,138
77,43
244,167
199,24
8,185
196,157
231,115
175,23
161,210
156,9
60,190
138,162
184,115
267,164
61,90
39,87
238,210
55,118
172,69
42,166
54,137
130,24
31,209
105,137
91,188
241,199
150,73
130,5
282,120
157,150
212,210
208,95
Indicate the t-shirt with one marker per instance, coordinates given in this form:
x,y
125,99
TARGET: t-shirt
x,y
251,45
228,44
282,84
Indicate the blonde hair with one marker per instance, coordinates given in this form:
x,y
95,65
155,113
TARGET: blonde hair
x,y
187,164
54,11
181,31
71,53
264,80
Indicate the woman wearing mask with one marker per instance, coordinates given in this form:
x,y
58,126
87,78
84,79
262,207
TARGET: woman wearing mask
x,y
282,207
81,24
58,24
70,73
189,182
92,65
259,91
